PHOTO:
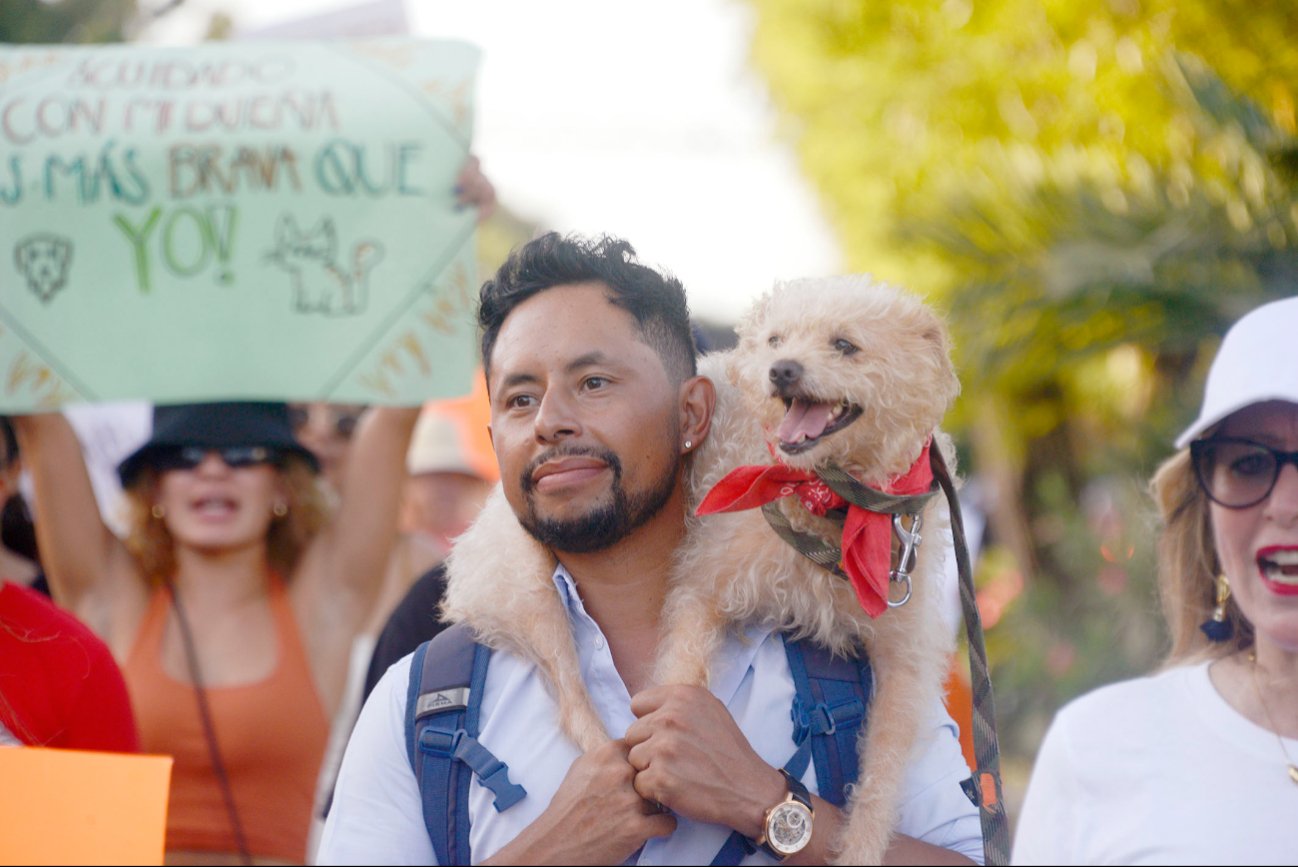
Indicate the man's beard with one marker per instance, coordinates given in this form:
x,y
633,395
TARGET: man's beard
x,y
607,523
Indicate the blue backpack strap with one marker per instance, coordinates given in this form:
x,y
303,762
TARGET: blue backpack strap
x,y
831,698
829,709
443,699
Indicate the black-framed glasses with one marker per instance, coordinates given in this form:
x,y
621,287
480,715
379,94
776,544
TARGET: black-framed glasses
x,y
234,457
1235,472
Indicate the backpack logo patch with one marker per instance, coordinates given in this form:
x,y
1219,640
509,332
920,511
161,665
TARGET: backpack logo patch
x,y
442,700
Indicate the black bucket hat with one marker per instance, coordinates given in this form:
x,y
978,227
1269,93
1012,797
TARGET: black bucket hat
x,y
215,426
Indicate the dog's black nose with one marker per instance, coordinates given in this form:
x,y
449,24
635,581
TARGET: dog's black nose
x,y
785,373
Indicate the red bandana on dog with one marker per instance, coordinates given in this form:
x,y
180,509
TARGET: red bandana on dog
x,y
867,536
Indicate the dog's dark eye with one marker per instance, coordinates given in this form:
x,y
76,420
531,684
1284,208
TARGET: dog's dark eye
x,y
775,340
846,347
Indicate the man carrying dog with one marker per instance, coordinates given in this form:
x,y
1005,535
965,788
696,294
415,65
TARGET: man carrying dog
x,y
595,406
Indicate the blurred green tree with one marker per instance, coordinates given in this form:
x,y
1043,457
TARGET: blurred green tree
x,y
77,21
1094,192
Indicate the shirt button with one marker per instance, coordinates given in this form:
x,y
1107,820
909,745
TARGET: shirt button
x,y
599,642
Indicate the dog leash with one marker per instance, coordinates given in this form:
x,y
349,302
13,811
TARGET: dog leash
x,y
984,789
987,791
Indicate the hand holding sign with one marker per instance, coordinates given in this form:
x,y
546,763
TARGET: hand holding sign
x,y
259,221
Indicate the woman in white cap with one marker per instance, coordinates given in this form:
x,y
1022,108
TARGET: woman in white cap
x,y
1198,763
231,604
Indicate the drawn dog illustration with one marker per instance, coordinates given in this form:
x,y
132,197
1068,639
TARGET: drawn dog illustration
x,y
320,283
44,260
840,371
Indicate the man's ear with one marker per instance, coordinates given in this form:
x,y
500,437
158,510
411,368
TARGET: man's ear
x,y
698,401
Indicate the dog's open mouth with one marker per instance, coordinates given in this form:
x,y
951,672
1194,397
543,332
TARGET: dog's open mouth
x,y
807,423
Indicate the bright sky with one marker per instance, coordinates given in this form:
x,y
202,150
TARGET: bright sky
x,y
639,118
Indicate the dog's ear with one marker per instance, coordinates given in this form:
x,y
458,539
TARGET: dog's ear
x,y
62,250
937,341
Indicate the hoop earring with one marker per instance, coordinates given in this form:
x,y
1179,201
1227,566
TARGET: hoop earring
x,y
279,510
1217,627
158,511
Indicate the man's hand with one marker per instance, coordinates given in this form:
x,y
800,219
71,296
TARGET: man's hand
x,y
595,817
690,756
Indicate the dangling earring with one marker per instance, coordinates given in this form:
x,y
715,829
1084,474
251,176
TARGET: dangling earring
x,y
158,511
1217,627
279,509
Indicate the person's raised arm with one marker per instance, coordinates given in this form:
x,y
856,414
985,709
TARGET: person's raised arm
x,y
88,568
349,557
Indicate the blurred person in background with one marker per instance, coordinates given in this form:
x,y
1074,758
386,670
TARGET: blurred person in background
x,y
453,469
449,471
230,605
1198,763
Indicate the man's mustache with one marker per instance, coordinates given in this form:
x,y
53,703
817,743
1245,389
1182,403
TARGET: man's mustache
x,y
572,451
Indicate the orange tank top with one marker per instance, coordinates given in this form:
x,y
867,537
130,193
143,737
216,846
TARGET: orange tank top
x,y
272,736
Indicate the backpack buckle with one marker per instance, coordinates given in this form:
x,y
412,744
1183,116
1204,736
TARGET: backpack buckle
x,y
440,743
824,719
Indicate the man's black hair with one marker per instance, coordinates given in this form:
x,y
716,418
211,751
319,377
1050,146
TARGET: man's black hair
x,y
656,300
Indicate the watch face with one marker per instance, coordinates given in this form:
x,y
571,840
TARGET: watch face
x,y
788,829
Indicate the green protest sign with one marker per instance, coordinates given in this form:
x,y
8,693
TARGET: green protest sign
x,y
235,221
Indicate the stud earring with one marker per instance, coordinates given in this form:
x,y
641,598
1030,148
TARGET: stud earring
x,y
279,509
1217,627
158,511
689,444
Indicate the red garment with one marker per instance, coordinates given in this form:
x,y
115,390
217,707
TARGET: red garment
x,y
272,735
59,685
867,536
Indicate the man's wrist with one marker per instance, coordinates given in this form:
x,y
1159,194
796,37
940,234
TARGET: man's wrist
x,y
764,796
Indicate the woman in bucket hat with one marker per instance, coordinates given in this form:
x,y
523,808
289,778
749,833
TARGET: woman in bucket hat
x,y
1198,763
230,605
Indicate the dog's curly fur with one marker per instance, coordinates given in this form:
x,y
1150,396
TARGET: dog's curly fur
x,y
857,343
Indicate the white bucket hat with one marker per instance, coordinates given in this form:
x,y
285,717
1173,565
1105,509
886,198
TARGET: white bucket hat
x,y
435,447
1257,362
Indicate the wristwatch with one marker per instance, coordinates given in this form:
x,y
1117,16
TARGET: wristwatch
x,y
786,830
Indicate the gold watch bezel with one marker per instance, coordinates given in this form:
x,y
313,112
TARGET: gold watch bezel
x,y
798,804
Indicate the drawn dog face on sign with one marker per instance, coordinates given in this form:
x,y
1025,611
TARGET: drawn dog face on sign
x,y
44,260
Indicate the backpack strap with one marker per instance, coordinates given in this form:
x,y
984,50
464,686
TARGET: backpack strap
x,y
443,699
829,708
830,703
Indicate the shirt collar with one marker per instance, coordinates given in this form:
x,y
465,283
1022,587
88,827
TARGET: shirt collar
x,y
734,657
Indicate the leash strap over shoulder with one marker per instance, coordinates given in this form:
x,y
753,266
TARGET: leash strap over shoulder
x,y
986,784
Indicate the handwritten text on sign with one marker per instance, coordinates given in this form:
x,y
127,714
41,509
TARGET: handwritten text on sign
x,y
254,220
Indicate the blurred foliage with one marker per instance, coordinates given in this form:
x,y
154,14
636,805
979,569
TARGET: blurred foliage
x,y
76,21
1093,192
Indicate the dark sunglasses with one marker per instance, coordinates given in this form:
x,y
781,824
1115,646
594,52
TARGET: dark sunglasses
x,y
1237,473
344,421
234,457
